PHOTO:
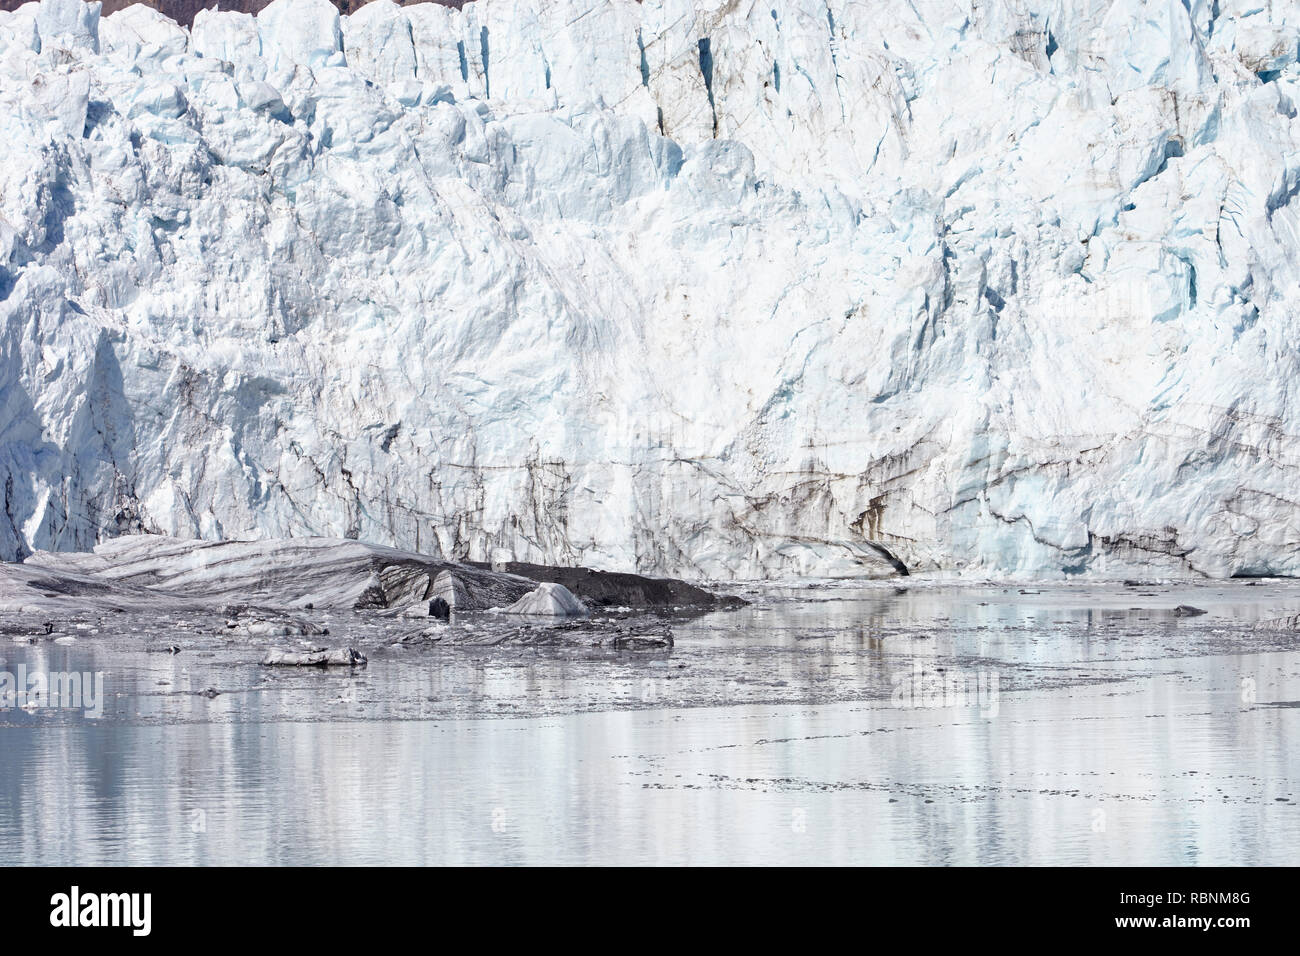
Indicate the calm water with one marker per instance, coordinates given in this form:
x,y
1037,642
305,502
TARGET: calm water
x,y
1118,736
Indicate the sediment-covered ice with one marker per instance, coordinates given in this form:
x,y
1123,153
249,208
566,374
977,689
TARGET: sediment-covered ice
x,y
260,585
453,593
292,573
705,288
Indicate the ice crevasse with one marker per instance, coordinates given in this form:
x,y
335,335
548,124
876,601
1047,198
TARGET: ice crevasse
x,y
722,289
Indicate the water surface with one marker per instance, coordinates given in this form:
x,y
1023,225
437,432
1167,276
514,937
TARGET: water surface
x,y
1119,734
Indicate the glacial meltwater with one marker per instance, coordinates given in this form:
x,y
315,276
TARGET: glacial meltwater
x,y
838,723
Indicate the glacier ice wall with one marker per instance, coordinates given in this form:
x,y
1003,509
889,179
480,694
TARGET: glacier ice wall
x,y
707,287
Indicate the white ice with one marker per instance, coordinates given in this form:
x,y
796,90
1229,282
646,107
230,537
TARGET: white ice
x,y
683,286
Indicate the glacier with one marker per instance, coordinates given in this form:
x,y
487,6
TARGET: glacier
x,y
710,288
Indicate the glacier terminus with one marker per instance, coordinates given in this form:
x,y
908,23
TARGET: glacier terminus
x,y
711,288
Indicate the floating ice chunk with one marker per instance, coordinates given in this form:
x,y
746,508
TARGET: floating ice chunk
x,y
549,600
338,657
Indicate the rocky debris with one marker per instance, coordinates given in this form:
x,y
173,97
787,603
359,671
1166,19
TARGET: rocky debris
x,y
644,633
337,657
548,600
1186,610
619,589
25,632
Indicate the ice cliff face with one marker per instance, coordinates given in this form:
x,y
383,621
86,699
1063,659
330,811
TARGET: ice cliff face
x,y
718,288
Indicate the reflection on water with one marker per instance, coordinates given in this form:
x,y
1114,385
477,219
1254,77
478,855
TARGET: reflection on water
x,y
1187,759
